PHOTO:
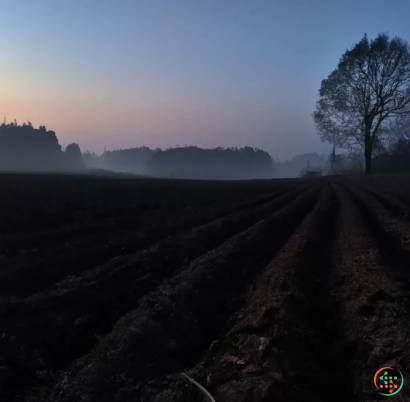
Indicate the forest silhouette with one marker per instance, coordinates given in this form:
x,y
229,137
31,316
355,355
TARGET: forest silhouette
x,y
25,148
189,162
219,163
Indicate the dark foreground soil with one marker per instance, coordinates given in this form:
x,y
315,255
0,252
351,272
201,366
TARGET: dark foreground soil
x,y
282,290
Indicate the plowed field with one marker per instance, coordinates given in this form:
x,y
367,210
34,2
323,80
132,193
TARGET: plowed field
x,y
276,290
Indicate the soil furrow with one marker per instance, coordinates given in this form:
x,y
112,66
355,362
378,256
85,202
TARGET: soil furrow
x,y
85,309
261,291
276,348
174,324
35,275
290,320
393,235
395,206
371,303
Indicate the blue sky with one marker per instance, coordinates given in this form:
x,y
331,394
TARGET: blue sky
x,y
210,73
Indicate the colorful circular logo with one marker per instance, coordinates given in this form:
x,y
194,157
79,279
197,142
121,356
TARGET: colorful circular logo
x,y
389,381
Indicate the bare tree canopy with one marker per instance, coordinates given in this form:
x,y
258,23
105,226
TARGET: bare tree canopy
x,y
370,86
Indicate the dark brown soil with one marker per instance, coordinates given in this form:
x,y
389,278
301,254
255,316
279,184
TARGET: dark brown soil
x,y
282,290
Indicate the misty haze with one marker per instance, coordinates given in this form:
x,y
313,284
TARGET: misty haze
x,y
204,201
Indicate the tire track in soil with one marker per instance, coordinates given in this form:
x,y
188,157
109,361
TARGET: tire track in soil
x,y
175,323
375,302
98,299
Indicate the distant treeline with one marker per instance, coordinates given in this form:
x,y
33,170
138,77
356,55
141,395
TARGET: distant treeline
x,y
25,148
188,162
293,167
218,163
243,163
126,160
22,147
395,161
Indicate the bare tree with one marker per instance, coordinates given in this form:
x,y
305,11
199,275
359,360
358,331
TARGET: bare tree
x,y
370,86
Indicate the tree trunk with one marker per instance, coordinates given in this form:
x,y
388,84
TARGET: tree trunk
x,y
368,151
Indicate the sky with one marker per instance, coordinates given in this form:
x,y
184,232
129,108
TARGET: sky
x,y
160,73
